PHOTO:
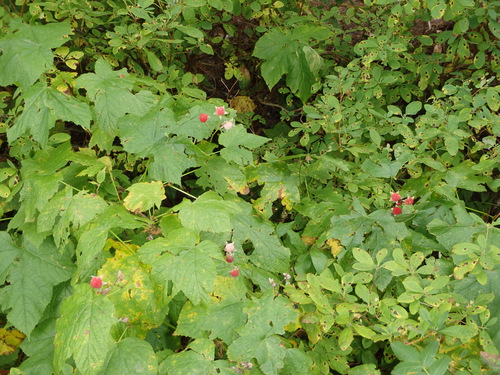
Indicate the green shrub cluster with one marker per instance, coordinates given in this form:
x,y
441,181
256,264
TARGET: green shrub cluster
x,y
265,187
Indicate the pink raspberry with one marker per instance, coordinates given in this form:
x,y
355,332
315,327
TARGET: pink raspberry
x,y
220,111
96,282
395,197
409,201
203,117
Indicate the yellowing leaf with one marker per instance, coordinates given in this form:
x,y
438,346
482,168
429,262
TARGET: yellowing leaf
x,y
335,246
144,196
10,340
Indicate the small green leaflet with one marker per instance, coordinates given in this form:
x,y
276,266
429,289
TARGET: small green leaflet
x,y
43,106
237,144
130,353
83,330
188,362
32,279
209,212
144,196
27,52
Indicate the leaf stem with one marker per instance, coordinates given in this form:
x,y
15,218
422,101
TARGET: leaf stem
x,y
182,191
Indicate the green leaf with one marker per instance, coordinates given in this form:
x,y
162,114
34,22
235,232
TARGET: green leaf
x,y
8,252
192,271
413,108
404,352
32,279
110,91
139,134
218,319
144,196
83,330
27,51
222,176
69,209
209,213
288,52
170,161
459,332
345,338
43,106
188,362
40,349
297,362
237,142
130,353
269,253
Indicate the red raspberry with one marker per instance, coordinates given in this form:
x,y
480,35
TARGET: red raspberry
x,y
395,197
229,259
235,272
220,111
397,210
409,201
203,117
96,282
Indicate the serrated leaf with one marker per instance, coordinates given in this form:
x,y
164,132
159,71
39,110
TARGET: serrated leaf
x,y
69,209
237,142
40,349
83,330
8,252
269,352
192,271
188,362
214,320
138,300
139,134
209,213
43,106
143,196
169,161
130,353
110,91
32,279
27,51
296,362
221,176
269,253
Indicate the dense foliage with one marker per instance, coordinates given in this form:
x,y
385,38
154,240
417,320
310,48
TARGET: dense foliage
x,y
234,187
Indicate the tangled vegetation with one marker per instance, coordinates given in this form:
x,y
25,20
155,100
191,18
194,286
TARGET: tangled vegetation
x,y
265,187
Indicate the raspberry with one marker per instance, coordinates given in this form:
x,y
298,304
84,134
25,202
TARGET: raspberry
x,y
220,111
409,201
235,272
96,282
397,210
229,248
229,259
203,117
395,197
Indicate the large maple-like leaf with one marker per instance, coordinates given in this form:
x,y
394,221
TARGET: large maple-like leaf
x,y
31,279
144,196
209,212
43,106
130,353
83,330
237,144
287,52
110,90
193,271
27,52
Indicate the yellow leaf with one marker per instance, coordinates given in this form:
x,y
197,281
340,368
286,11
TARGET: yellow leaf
x,y
335,246
309,240
10,340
